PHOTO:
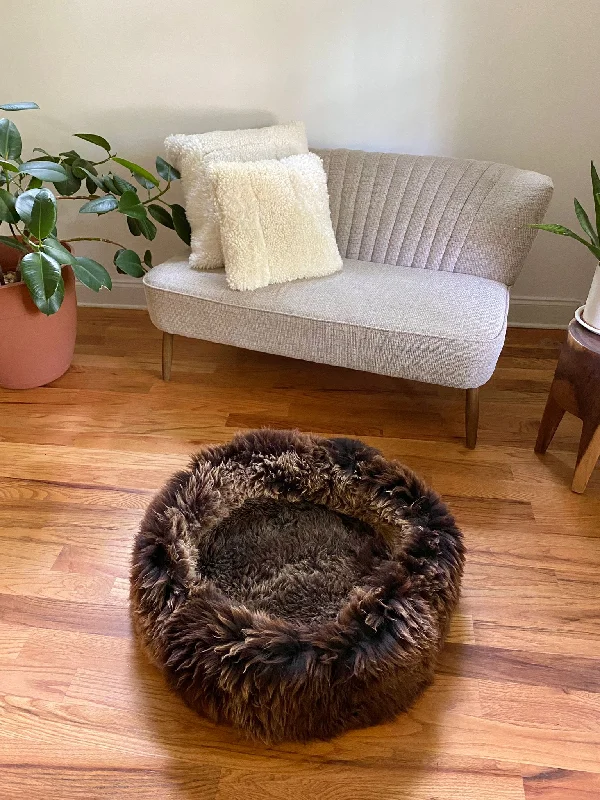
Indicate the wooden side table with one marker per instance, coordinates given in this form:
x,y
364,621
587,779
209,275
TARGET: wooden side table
x,y
576,389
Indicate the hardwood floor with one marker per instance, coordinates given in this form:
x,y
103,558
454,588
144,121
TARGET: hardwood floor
x,y
515,711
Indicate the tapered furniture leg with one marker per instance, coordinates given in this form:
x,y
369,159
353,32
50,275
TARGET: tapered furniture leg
x,y
576,389
589,452
167,355
472,417
553,413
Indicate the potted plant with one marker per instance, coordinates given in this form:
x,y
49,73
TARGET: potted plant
x,y
589,314
38,270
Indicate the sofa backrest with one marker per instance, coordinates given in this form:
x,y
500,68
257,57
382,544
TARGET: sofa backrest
x,y
447,214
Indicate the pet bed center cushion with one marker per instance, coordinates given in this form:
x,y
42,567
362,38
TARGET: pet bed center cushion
x,y
295,586
297,561
192,153
275,220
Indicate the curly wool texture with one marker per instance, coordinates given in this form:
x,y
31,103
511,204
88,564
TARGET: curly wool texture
x,y
192,153
295,586
275,220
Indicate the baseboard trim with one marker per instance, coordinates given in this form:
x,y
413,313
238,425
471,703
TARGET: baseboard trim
x,y
541,312
525,312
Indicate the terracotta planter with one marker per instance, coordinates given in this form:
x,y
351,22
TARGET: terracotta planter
x,y
34,349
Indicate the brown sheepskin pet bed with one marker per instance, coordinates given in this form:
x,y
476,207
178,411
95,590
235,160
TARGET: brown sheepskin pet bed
x,y
295,586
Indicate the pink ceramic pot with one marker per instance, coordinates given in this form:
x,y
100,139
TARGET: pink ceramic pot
x,y
34,349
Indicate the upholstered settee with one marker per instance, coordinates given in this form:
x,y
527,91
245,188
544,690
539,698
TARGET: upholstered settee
x,y
430,247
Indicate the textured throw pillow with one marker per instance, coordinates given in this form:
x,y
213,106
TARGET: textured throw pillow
x,y
192,154
275,220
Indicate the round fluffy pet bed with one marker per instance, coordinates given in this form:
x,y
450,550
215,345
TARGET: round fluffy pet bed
x,y
295,586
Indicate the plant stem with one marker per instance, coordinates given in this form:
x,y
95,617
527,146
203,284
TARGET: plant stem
x,y
93,239
75,197
156,196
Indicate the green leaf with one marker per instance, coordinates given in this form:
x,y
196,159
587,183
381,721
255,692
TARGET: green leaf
x,y
148,258
129,262
560,230
143,182
147,228
109,184
41,274
136,170
10,140
90,185
101,205
45,170
35,183
596,191
585,223
10,241
54,248
71,185
8,212
24,203
7,166
91,273
94,180
69,156
129,204
43,215
94,139
18,106
180,220
122,186
161,215
134,226
41,150
166,170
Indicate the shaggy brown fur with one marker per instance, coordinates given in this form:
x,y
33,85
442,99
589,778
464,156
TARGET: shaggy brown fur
x,y
296,586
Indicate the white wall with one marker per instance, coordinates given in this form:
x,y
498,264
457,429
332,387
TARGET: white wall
x,y
508,80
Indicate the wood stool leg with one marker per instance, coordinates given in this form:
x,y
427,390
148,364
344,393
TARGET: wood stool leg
x,y
167,355
589,452
472,417
553,413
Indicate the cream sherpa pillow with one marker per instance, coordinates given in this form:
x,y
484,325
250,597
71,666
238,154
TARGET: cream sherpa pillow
x,y
192,154
275,220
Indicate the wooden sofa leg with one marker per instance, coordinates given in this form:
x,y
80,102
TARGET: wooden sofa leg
x,y
167,355
472,417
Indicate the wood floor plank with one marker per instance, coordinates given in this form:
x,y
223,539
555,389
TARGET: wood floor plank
x,y
514,712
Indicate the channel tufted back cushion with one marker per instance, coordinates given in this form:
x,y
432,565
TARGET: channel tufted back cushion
x,y
454,215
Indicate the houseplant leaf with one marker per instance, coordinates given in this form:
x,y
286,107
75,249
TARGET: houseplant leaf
x,y
94,139
122,186
45,170
147,228
584,221
24,203
18,106
130,205
161,215
7,166
134,227
10,241
43,215
41,274
166,170
596,191
54,248
562,231
128,261
148,258
91,273
180,221
101,205
8,212
71,185
136,170
10,140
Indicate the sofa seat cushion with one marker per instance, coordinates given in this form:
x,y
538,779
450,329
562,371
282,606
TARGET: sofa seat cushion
x,y
424,325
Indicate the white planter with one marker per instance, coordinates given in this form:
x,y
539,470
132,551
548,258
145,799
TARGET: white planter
x,y
591,311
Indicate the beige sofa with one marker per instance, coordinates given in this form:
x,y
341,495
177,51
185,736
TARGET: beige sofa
x,y
430,247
